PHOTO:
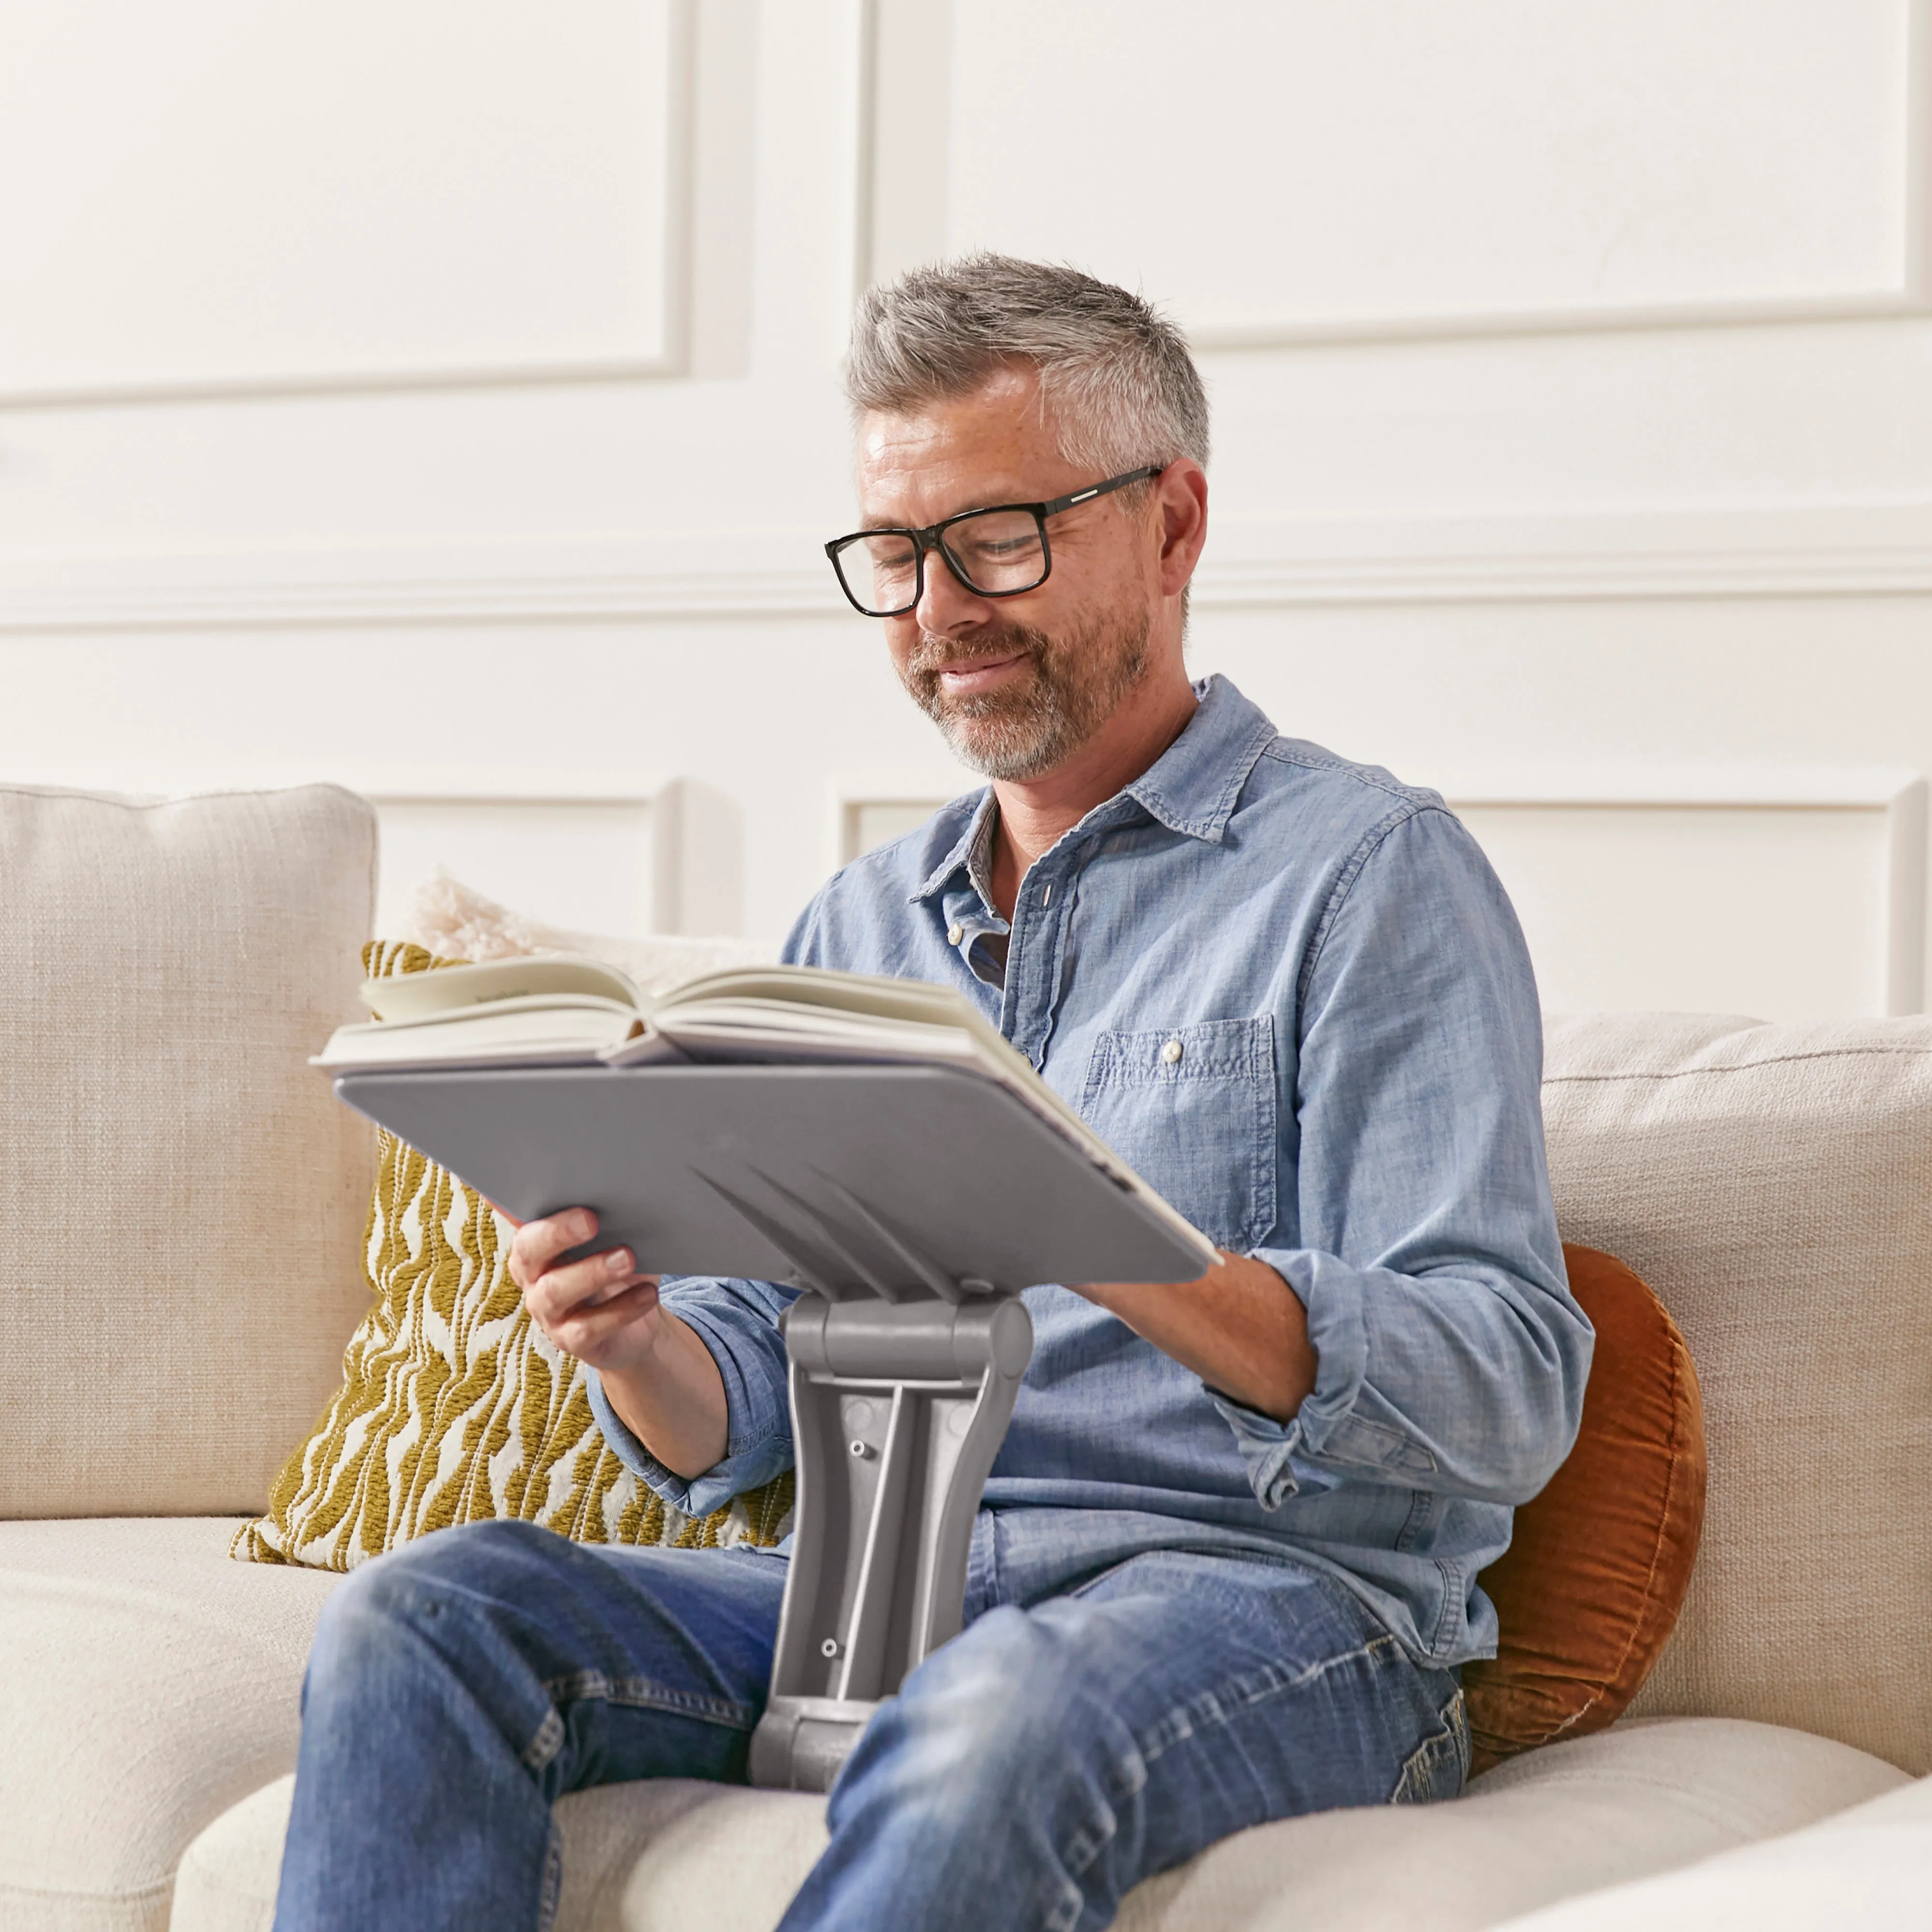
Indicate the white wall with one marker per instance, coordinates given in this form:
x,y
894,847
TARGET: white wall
x,y
443,397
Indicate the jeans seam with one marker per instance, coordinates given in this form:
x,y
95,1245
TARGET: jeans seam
x,y
552,1893
538,1753
1455,1715
1212,1707
1066,1911
1242,1694
1415,1783
643,1693
1453,1596
1421,1503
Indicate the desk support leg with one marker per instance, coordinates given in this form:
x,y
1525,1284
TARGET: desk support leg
x,y
898,1409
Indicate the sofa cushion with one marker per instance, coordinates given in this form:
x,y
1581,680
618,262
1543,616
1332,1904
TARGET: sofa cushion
x,y
669,1855
178,1229
454,1407
1871,1866
146,1683
1774,1185
1569,1818
1597,1564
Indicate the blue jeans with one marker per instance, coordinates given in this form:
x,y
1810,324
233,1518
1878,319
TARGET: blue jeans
x,y
1029,1773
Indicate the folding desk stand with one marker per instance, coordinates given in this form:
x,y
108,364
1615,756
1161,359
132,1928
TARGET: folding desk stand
x,y
907,1341
900,1397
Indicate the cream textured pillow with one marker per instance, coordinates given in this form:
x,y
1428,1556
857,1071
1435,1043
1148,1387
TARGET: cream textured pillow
x,y
177,1223
457,922
454,1407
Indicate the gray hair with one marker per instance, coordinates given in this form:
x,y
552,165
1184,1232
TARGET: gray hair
x,y
1116,378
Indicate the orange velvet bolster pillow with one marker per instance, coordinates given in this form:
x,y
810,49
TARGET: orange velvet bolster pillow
x,y
1593,1576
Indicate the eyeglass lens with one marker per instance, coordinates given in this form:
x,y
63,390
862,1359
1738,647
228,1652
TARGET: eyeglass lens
x,y
998,551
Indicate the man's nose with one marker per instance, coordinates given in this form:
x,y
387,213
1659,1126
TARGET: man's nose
x,y
946,606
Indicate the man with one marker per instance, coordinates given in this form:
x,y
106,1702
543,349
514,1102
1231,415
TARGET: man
x,y
1227,1567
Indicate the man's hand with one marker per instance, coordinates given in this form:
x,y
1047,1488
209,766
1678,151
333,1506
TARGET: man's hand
x,y
659,1376
599,1309
1240,1328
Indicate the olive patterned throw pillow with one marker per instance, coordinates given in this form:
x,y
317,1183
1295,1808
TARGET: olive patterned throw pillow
x,y
454,1407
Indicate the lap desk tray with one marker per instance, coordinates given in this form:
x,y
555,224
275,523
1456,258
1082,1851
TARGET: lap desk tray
x,y
892,1182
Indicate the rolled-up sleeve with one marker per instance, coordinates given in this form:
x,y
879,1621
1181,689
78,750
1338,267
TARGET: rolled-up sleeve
x,y
737,1322
1451,1354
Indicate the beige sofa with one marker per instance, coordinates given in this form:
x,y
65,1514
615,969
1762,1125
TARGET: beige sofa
x,y
181,1227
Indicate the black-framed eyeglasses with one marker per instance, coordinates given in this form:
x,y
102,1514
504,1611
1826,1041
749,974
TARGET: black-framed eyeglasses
x,y
1001,551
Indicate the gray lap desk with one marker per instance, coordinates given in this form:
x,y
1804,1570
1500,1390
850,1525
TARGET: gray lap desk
x,y
911,1205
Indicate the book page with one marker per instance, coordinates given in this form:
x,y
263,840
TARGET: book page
x,y
776,1029
409,996
917,1000
556,1027
910,1002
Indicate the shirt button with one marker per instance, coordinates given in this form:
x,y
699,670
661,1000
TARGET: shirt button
x,y
1172,1051
954,934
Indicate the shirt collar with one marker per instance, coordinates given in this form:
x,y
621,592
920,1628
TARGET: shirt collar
x,y
979,856
979,825
1191,787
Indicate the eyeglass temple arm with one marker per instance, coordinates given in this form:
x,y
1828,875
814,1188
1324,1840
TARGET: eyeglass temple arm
x,y
1106,489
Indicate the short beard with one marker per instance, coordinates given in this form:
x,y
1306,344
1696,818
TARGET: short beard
x,y
1024,729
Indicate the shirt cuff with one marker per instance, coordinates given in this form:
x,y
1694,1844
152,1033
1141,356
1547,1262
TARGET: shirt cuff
x,y
1345,1422
757,1442
1272,1452
1278,1454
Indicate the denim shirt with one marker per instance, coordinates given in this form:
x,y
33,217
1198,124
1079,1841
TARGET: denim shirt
x,y
1355,1101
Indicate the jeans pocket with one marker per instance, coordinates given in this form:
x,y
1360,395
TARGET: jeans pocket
x,y
1191,1110
1437,1767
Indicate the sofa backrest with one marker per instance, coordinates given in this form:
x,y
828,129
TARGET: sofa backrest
x,y
184,1197
1774,1185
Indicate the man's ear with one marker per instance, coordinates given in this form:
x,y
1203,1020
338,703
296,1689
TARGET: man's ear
x,y
1181,491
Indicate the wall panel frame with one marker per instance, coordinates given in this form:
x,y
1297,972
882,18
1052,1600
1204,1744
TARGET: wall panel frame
x,y
704,176
902,199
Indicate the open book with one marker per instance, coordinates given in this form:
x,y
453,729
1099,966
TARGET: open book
x,y
564,1010
764,1118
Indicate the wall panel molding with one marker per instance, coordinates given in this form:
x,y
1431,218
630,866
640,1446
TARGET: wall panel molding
x,y
1909,301
907,69
557,855
487,582
1834,550
698,42
680,841
1821,550
1885,953
1893,804
902,154
1910,297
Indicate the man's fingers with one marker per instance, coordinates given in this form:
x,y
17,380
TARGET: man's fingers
x,y
580,1305
580,1330
583,1284
538,1243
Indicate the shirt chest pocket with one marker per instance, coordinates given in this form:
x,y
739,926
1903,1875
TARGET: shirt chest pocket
x,y
1191,1110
